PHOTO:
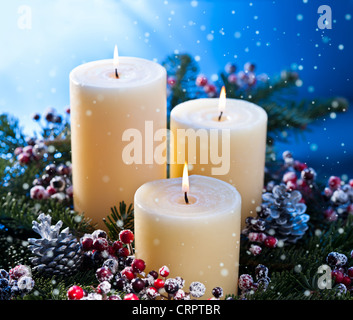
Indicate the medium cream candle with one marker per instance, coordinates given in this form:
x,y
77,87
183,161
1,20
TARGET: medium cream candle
x,y
243,147
195,233
107,98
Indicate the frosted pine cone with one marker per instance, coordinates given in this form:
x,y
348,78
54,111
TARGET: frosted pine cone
x,y
55,253
287,218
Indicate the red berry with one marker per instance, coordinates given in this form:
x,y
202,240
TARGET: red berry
x,y
28,150
291,186
201,81
104,274
270,242
138,265
255,249
18,151
299,166
210,88
158,283
87,244
334,182
19,271
171,81
253,237
152,292
351,182
123,252
164,271
131,296
245,282
117,245
308,174
232,78
289,176
24,158
337,275
100,244
346,281
126,236
50,190
350,272
75,293
128,272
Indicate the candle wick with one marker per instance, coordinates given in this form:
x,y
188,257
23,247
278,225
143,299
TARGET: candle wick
x,y
116,73
220,116
186,197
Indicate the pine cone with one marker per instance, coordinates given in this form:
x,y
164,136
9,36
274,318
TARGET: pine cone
x,y
287,218
54,253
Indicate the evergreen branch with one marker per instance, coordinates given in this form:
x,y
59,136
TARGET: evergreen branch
x,y
119,220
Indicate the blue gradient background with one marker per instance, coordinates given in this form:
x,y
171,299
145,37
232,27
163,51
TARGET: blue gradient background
x,y
35,63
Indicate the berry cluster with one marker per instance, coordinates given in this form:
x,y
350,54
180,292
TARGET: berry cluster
x,y
244,79
297,175
281,216
121,274
51,116
33,152
339,196
17,282
342,274
55,183
248,285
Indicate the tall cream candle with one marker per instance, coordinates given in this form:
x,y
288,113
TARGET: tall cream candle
x,y
242,146
107,98
198,240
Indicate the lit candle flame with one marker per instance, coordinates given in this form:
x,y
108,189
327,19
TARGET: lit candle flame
x,y
222,103
185,182
116,57
116,61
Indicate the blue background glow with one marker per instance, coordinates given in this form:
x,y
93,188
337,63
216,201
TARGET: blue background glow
x,y
35,63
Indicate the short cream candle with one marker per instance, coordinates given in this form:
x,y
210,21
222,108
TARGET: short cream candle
x,y
244,162
108,97
198,240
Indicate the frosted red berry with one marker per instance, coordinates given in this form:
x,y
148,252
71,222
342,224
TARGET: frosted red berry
x,y
126,236
290,176
201,81
117,245
131,296
104,274
270,242
75,293
87,244
123,252
350,272
138,265
158,283
246,282
346,281
337,275
334,182
100,244
164,271
128,273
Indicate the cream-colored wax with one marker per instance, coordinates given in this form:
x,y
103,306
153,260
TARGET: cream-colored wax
x,y
198,241
245,127
102,108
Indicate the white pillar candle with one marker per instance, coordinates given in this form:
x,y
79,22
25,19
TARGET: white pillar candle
x,y
242,150
198,240
102,108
